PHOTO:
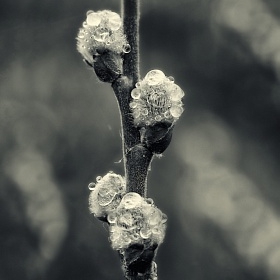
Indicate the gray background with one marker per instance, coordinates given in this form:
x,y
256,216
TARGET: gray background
x,y
218,182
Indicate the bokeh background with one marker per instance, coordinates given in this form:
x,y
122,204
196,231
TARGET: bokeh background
x,y
218,182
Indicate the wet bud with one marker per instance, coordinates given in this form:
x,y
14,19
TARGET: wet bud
x,y
156,105
106,195
156,99
101,42
101,30
136,221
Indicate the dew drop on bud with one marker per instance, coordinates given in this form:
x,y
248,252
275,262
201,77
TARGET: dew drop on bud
x,y
81,34
150,201
176,93
156,230
164,218
136,113
114,21
145,232
176,111
167,114
171,79
155,217
135,236
158,118
89,12
126,48
93,19
98,178
133,105
131,200
112,218
136,93
91,186
145,112
154,77
101,34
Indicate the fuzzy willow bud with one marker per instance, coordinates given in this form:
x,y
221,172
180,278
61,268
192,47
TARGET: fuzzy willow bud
x,y
156,99
106,194
102,43
136,221
156,105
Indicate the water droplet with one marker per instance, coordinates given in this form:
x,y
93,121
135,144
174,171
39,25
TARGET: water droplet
x,y
91,186
81,34
136,113
115,233
93,19
101,34
156,230
176,111
89,12
145,112
150,201
164,218
133,105
98,178
131,200
114,21
171,79
112,218
158,118
154,77
155,217
176,93
135,236
145,232
167,114
136,93
154,271
127,48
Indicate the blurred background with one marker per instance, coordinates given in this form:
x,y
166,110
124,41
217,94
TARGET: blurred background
x,y
218,182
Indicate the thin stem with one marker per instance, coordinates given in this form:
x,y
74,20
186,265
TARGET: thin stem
x,y
137,157
131,16
137,262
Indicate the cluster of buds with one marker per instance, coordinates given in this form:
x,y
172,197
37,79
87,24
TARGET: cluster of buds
x,y
132,218
156,99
